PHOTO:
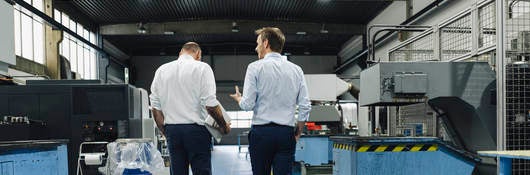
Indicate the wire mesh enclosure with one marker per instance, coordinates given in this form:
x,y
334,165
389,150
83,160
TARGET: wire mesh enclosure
x,y
487,33
420,49
518,112
416,120
518,31
456,38
517,83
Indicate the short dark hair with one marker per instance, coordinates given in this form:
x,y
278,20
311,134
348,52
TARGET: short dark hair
x,y
274,36
191,47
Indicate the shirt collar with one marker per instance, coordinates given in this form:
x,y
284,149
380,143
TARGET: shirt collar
x,y
274,55
186,57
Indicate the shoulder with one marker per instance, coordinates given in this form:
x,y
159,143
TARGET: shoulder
x,y
295,67
203,66
163,67
255,64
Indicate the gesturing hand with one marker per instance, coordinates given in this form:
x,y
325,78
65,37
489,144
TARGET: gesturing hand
x,y
237,95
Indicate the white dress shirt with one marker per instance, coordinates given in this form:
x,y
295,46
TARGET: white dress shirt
x,y
273,88
182,89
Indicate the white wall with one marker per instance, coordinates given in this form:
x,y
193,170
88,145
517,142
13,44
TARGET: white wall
x,y
395,14
7,37
445,11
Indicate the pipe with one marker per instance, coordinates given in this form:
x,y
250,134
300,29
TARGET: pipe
x,y
107,73
371,47
10,2
377,43
354,90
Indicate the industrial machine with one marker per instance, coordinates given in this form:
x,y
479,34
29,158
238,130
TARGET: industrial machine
x,y
462,94
77,110
326,118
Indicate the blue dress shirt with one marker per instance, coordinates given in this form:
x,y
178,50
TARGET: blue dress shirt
x,y
273,88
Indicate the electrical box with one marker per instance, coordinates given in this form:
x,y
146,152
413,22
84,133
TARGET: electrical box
x,y
410,83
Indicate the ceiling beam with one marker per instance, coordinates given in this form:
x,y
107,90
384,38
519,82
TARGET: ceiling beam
x,y
225,27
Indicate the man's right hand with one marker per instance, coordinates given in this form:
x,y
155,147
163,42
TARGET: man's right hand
x,y
226,129
217,115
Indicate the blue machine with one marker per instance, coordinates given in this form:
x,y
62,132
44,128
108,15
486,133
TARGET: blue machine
x,y
314,150
34,157
398,155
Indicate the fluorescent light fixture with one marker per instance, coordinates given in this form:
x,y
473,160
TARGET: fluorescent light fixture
x,y
301,33
169,33
323,29
235,27
141,29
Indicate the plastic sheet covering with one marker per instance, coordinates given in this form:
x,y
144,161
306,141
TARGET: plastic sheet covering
x,y
134,154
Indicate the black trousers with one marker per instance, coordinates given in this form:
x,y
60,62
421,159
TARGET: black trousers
x,y
189,144
272,146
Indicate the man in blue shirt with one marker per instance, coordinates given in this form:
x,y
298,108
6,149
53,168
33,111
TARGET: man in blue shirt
x,y
273,89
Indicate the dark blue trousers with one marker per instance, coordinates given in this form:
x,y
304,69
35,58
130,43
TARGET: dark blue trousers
x,y
271,146
189,144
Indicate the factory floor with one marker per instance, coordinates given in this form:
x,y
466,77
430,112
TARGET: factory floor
x,y
226,160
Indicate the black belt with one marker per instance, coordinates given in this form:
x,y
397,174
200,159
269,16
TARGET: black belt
x,y
272,125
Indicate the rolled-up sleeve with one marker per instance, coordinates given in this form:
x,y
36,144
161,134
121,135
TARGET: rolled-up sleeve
x,y
154,97
304,104
208,88
248,101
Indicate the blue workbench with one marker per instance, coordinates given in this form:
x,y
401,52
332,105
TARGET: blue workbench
x,y
505,158
32,157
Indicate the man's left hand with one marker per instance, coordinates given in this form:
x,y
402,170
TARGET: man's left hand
x,y
298,131
237,95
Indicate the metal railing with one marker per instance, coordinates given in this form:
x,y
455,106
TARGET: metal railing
x,y
466,35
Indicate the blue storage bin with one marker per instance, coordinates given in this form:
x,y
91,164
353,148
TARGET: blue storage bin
x,y
136,171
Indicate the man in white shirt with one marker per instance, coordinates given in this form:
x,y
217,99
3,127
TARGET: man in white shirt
x,y
273,88
182,94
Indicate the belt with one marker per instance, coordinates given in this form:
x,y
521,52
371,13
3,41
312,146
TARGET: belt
x,y
272,125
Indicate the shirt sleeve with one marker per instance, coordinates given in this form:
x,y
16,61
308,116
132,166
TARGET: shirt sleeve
x,y
304,104
154,97
208,88
248,101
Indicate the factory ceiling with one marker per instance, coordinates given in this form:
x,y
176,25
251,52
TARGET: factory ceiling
x,y
225,26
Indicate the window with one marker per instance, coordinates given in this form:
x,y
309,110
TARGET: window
x,y
29,33
82,57
240,119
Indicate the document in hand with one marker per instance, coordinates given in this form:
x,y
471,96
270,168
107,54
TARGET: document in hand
x,y
213,127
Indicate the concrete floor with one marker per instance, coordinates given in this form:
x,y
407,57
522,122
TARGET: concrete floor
x,y
227,161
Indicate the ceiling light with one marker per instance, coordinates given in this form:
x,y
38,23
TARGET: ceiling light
x,y
301,33
323,29
306,51
141,29
169,33
235,27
